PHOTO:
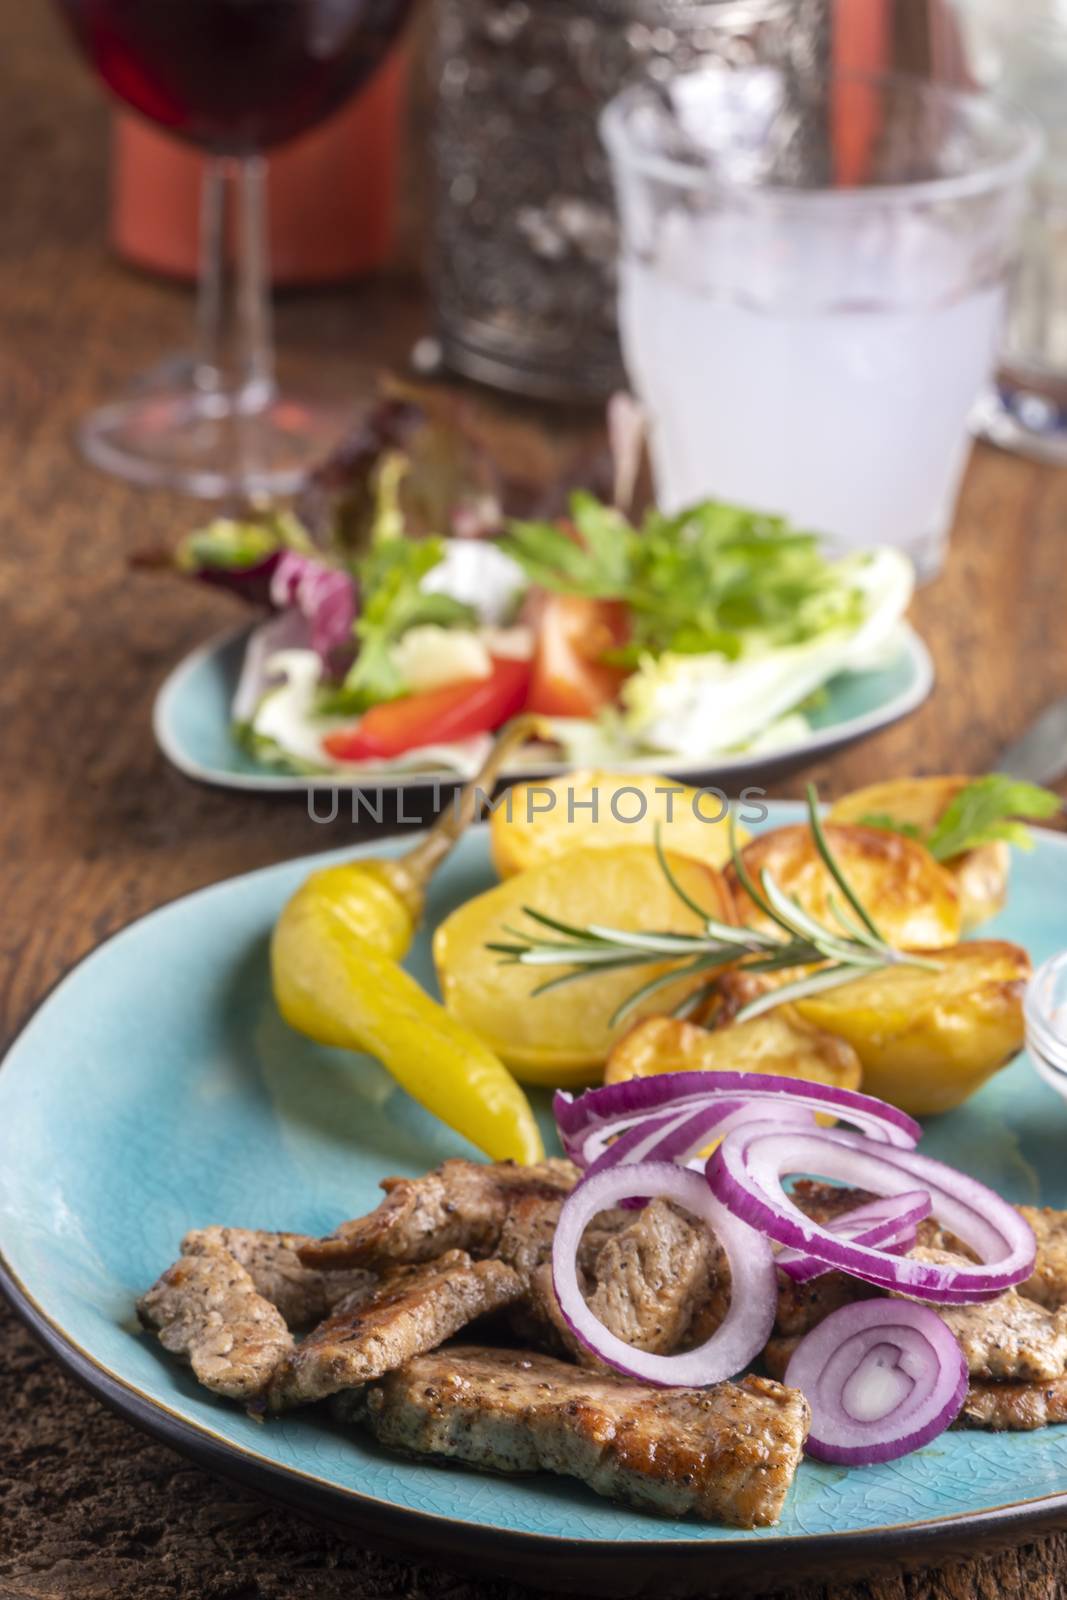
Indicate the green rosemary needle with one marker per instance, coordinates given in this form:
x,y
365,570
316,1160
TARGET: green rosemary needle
x,y
831,955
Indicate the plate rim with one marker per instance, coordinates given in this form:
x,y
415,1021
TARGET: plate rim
x,y
737,1555
822,742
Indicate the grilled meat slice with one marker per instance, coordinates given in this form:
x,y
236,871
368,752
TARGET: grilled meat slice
x,y
801,1306
654,1276
1048,1285
525,1240
412,1309
725,1454
538,1320
1006,1338
302,1295
529,1230
463,1205
777,1353
1014,1407
526,1244
662,1282
207,1309
1010,1337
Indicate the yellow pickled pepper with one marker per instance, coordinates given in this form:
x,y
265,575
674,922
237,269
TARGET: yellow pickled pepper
x,y
335,966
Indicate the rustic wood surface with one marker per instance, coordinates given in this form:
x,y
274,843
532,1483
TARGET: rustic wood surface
x,y
95,828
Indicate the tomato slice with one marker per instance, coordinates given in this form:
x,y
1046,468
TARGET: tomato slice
x,y
570,678
437,716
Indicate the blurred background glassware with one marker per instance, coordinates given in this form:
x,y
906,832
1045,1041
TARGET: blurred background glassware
x,y
331,193
523,246
235,78
1045,1015
1019,50
811,287
524,237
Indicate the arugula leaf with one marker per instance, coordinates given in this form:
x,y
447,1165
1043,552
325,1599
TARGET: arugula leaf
x,y
704,579
984,812
389,578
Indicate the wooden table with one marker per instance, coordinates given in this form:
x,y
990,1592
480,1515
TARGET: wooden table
x,y
95,829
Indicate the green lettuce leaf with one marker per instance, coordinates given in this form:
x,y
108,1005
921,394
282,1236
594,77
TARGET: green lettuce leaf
x,y
389,579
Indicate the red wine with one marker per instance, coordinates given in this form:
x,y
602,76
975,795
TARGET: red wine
x,y
235,75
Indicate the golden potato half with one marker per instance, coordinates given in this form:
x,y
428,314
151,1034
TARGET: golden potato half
x,y
927,1040
563,1037
911,898
779,1042
981,875
537,822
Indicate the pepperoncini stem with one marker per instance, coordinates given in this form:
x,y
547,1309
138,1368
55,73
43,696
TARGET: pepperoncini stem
x,y
409,875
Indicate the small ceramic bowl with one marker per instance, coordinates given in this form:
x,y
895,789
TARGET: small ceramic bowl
x,y
1045,1014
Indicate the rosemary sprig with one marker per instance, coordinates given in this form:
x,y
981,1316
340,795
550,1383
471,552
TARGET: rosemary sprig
x,y
833,955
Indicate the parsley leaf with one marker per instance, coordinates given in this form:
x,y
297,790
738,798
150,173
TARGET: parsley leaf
x,y
984,812
704,579
598,568
981,813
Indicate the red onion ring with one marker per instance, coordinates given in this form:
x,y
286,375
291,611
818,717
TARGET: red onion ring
x,y
664,1137
746,1170
587,1124
674,1136
753,1284
882,1377
679,1134
889,1221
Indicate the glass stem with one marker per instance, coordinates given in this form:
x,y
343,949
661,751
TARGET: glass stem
x,y
211,284
235,353
254,335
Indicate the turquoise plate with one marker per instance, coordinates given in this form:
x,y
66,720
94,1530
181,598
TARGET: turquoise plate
x,y
191,722
157,1090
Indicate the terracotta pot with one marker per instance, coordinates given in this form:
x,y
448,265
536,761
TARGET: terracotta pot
x,y
331,191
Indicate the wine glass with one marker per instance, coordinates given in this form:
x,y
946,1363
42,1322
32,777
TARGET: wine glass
x,y
235,78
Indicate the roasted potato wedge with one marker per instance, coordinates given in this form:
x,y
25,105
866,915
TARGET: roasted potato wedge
x,y
912,899
563,1037
779,1042
981,875
538,822
927,1040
